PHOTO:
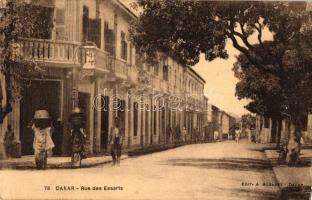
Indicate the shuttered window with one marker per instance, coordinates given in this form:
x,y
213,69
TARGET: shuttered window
x,y
124,46
85,23
60,24
91,28
165,72
109,39
94,34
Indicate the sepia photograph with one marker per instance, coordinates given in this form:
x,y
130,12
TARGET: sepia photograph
x,y
155,100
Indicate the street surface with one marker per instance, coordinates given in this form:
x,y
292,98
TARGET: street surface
x,y
223,170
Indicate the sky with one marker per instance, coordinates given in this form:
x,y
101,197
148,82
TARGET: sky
x,y
220,82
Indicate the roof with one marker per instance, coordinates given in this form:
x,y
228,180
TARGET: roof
x,y
197,75
123,6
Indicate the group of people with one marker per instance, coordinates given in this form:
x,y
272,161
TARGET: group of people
x,y
176,135
43,143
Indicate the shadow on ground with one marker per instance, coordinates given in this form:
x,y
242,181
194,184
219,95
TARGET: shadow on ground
x,y
253,193
296,193
240,164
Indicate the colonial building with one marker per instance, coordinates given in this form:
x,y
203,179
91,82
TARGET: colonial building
x,y
89,61
220,123
270,131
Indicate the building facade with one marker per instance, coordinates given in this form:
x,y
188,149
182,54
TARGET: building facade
x,y
267,130
89,62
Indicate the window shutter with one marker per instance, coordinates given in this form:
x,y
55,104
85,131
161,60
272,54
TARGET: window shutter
x,y
125,50
60,24
60,17
109,41
94,34
85,23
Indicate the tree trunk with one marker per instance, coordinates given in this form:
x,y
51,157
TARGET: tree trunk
x,y
279,133
274,130
294,146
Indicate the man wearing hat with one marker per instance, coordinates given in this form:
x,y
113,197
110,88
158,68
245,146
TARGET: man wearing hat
x,y
43,143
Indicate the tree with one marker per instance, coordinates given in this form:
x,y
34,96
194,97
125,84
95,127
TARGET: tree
x,y
20,20
248,121
264,92
185,29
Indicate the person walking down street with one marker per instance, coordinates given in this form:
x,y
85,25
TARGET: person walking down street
x,y
237,134
43,143
116,140
78,136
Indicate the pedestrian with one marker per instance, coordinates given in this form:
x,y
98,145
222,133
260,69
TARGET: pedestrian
x,y
8,141
116,140
184,134
43,143
237,134
78,136
248,134
178,133
169,134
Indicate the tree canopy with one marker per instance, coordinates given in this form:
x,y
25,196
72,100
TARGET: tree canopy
x,y
185,29
19,19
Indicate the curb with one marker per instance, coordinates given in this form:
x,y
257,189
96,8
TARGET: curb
x,y
58,166
289,192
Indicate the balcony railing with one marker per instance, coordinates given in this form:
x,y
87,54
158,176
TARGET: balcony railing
x,y
63,52
50,51
94,58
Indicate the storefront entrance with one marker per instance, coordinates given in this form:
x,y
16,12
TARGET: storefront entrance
x,y
84,105
104,122
40,95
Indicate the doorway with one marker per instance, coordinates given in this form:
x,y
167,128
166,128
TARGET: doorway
x,y
104,122
84,105
40,95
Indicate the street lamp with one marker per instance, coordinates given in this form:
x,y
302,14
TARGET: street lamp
x,y
87,67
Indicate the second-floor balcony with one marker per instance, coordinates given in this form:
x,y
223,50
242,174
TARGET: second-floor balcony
x,y
73,54
64,54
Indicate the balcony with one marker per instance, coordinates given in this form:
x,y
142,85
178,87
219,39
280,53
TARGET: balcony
x,y
49,51
64,54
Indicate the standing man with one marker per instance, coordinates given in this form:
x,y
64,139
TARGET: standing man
x,y
237,134
116,140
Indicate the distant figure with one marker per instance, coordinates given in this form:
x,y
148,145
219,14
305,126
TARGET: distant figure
x,y
116,140
237,134
215,135
184,134
8,141
177,134
169,134
249,134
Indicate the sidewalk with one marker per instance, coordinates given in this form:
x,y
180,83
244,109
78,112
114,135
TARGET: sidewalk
x,y
294,182
28,162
